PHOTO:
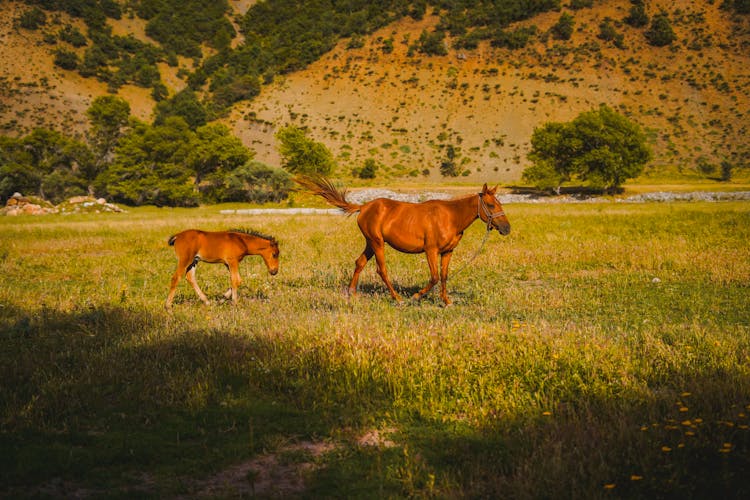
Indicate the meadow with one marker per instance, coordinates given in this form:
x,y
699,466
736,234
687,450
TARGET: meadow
x,y
599,350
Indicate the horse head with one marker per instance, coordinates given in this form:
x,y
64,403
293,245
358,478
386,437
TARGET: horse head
x,y
490,210
270,255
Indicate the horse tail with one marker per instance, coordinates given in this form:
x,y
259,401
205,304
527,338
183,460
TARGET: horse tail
x,y
171,240
323,187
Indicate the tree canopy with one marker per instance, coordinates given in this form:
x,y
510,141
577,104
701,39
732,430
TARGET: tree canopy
x,y
600,148
302,155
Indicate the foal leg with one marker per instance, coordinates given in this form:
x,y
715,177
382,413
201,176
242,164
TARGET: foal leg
x,y
432,262
182,266
173,284
235,280
359,264
445,259
190,276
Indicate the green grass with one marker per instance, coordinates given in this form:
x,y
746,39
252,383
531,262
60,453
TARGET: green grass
x,y
599,350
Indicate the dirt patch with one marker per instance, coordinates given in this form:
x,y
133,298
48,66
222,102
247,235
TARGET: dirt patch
x,y
279,474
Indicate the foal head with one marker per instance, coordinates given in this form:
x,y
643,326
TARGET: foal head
x,y
270,255
260,244
491,211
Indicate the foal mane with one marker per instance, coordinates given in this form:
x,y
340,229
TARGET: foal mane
x,y
252,232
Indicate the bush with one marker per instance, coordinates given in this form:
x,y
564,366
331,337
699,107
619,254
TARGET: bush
x,y
432,44
32,19
73,36
368,170
563,29
66,59
581,4
637,17
660,33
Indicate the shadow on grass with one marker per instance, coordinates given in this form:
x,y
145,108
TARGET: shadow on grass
x,y
117,401
111,399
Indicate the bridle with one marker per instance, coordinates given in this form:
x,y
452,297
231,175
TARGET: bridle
x,y
482,206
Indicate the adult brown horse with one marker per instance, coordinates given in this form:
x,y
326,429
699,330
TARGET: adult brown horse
x,y
434,227
228,247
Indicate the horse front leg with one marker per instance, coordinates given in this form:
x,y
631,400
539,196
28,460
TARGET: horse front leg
x,y
360,264
445,259
432,262
235,280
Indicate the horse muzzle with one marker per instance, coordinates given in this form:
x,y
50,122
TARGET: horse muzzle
x,y
273,272
503,228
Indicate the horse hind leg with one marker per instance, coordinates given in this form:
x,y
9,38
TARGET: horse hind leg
x,y
360,264
383,271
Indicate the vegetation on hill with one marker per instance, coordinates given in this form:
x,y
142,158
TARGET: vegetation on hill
x,y
234,58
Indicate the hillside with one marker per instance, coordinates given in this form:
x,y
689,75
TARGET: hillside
x,y
405,111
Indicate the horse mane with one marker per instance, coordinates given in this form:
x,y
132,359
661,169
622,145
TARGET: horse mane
x,y
252,232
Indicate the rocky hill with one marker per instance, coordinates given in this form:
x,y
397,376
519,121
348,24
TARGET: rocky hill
x,y
409,111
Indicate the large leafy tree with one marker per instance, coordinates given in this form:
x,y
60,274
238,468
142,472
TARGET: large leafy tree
x,y
213,148
302,155
150,166
109,116
601,148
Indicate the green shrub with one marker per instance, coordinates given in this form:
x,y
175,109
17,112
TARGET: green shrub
x,y
563,28
660,33
66,59
32,19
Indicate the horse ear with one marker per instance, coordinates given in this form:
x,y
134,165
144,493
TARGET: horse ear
x,y
494,190
484,188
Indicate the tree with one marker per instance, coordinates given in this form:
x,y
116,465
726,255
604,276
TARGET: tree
x,y
45,163
637,17
213,148
660,33
108,115
184,104
149,166
302,155
368,170
601,148
251,182
563,29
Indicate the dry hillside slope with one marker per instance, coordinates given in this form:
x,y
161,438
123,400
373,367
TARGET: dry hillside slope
x,y
693,98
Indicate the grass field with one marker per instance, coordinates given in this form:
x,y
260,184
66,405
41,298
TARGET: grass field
x,y
599,350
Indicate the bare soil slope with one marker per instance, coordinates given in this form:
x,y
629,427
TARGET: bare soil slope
x,y
693,98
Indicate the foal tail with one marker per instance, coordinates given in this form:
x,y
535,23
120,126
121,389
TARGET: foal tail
x,y
171,240
323,187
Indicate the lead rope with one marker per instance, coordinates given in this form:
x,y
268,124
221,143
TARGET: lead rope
x,y
484,239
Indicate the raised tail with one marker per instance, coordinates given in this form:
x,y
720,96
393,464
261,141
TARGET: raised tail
x,y
323,187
